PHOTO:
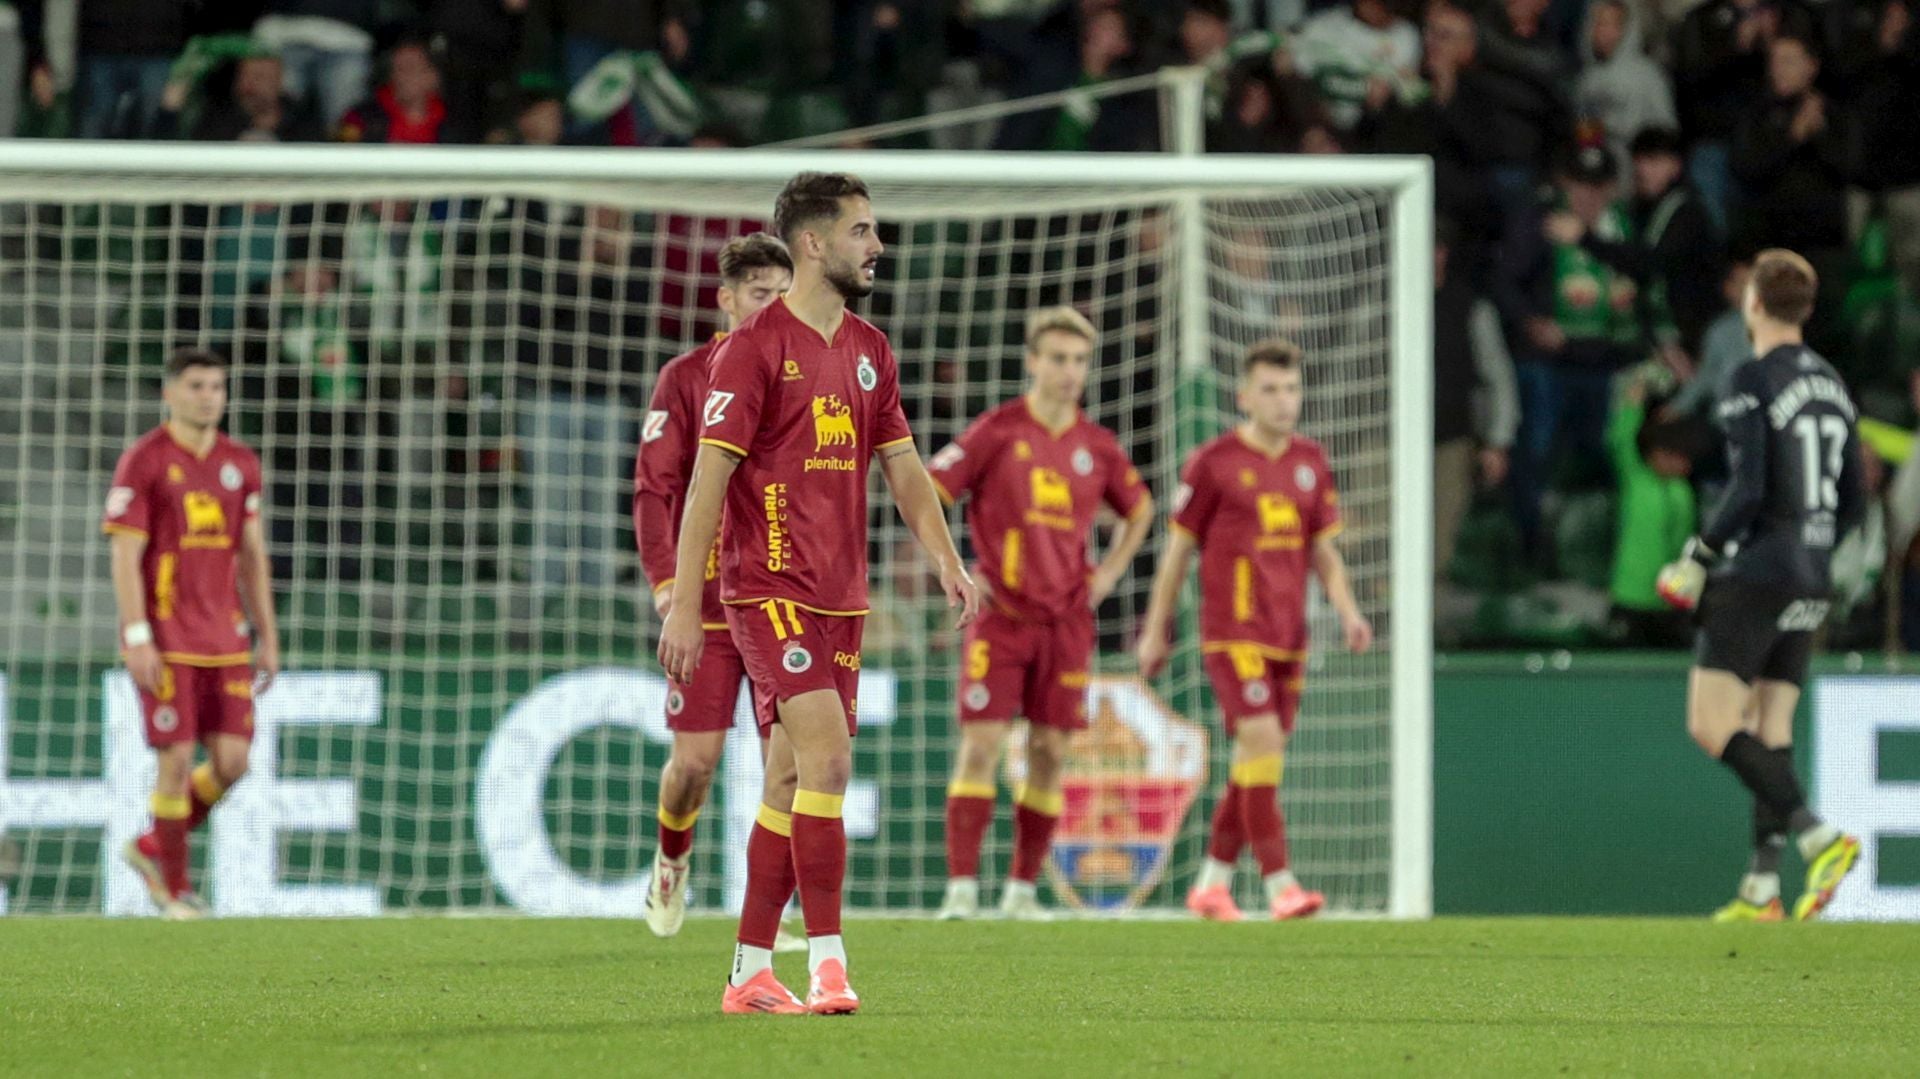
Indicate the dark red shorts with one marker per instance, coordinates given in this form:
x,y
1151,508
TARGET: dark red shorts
x,y
196,703
1033,669
788,650
706,704
1248,682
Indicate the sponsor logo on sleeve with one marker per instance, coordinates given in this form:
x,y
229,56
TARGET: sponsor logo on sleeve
x,y
119,500
656,425
716,409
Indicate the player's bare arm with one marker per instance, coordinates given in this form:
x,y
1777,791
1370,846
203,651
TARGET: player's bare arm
x,y
255,579
681,638
1152,649
920,508
1127,540
1332,570
130,596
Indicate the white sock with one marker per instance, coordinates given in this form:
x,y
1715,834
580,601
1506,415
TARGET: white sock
x,y
1278,881
1018,891
748,961
1816,839
963,886
821,949
1760,888
1214,873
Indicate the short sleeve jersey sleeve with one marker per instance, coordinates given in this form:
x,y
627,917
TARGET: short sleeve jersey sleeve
x,y
1125,489
961,463
741,374
130,499
1197,499
889,419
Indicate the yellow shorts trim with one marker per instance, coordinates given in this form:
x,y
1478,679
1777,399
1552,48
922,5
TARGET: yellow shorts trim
x,y
780,824
193,659
757,600
817,804
1254,647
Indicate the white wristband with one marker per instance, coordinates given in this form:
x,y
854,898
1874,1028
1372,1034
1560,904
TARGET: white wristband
x,y
137,634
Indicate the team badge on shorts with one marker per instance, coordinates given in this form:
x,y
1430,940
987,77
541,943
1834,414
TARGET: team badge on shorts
x,y
165,719
1256,693
977,696
230,476
796,660
869,378
1083,461
676,702
1303,476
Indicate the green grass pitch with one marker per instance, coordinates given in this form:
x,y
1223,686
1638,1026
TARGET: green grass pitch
x,y
519,997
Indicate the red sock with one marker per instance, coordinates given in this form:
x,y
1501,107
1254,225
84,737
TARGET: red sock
x,y
968,816
819,859
769,879
170,834
1034,815
1229,832
1266,828
676,832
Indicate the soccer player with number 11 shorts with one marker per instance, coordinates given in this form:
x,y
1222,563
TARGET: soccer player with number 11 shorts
x,y
1260,506
800,399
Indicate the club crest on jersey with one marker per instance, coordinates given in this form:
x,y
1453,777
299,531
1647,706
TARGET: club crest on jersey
x,y
1083,461
656,425
977,697
230,476
1304,477
868,376
796,659
1127,789
676,702
1256,693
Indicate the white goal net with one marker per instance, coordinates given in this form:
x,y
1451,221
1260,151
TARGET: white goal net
x,y
442,358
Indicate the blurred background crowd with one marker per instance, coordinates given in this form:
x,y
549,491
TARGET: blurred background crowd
x,y
1605,171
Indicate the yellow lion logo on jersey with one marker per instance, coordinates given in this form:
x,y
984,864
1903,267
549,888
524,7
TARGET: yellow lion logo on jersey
x,y
832,423
1278,514
1051,492
204,513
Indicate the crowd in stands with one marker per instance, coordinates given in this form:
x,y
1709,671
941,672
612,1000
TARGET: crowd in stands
x,y
1605,170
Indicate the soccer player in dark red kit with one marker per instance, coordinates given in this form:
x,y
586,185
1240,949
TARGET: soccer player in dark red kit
x,y
190,575
754,271
801,398
1035,472
1260,506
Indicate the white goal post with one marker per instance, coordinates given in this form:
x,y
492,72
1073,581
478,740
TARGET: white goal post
x,y
445,263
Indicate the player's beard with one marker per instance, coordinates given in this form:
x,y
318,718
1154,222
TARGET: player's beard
x,y
848,280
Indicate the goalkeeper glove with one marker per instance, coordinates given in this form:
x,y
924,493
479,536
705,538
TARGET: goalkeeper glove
x,y
1681,581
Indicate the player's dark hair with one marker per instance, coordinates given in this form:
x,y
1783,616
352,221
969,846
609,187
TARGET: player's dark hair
x,y
1785,285
1273,352
1212,9
811,197
754,251
186,358
1689,436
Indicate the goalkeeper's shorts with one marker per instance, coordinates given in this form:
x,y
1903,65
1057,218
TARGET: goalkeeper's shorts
x,y
1754,633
